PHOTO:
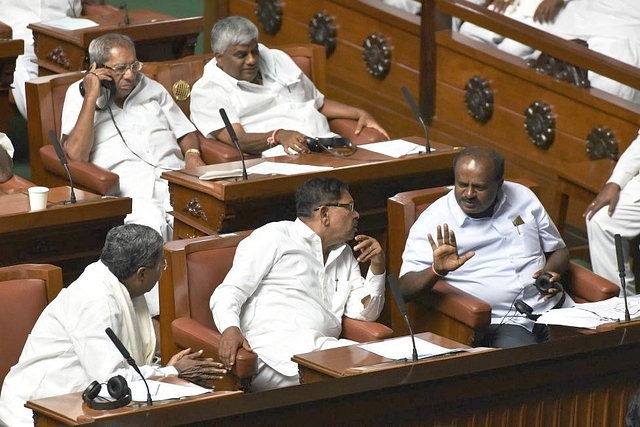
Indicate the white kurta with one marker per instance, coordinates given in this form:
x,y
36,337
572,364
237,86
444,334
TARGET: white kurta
x,y
506,256
287,99
286,300
68,347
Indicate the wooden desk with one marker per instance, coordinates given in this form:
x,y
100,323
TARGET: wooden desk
x,y
157,37
353,360
582,381
210,207
70,410
67,235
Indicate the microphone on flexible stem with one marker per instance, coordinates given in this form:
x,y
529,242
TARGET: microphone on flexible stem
x,y
126,13
395,289
63,160
125,353
418,114
234,138
620,258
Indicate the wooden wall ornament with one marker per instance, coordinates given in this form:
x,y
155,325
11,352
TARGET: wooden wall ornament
x,y
602,144
561,70
323,31
269,13
478,98
377,55
540,124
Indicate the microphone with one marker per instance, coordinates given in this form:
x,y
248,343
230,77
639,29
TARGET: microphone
x,y
127,21
63,160
125,353
620,257
234,138
418,114
395,289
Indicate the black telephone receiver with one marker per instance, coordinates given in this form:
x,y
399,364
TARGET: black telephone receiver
x,y
107,92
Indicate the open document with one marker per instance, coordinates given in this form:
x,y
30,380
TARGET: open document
x,y
160,390
402,348
593,314
395,148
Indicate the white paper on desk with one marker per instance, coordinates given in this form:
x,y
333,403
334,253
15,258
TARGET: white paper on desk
x,y
216,174
275,168
162,391
69,23
395,148
402,348
592,314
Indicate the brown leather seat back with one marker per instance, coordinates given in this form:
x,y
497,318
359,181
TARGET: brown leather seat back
x,y
206,270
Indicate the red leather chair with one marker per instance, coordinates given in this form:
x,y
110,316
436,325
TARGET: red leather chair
x,y
25,290
448,311
195,268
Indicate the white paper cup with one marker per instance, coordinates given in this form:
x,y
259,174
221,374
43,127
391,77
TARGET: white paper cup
x,y
38,198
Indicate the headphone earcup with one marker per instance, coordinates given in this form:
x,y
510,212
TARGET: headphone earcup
x,y
91,392
118,387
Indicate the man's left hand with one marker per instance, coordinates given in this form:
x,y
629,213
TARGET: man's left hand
x,y
370,250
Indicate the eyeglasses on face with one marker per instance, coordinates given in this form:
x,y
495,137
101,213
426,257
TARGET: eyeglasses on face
x,y
135,67
348,206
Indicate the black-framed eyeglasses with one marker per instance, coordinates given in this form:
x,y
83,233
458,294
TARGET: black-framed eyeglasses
x,y
349,206
135,67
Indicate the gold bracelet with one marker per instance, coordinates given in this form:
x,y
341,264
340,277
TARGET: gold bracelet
x,y
192,151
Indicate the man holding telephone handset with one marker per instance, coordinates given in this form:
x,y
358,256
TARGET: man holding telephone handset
x,y
123,121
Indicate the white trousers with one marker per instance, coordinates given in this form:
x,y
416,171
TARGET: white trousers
x,y
602,228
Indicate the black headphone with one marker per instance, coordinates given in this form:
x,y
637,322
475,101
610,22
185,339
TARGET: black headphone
x,y
118,389
543,284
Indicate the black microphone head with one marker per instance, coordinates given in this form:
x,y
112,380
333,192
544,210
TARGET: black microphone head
x,y
397,295
56,146
234,139
619,254
412,103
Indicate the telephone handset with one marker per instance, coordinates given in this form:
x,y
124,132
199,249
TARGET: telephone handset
x,y
107,92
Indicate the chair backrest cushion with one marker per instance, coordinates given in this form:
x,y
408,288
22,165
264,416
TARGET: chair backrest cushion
x,y
21,302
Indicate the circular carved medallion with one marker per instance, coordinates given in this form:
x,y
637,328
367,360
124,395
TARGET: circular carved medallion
x,y
601,144
269,13
478,98
540,124
323,31
181,90
377,56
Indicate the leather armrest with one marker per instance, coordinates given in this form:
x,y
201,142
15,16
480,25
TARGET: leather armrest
x,y
214,151
460,305
361,331
85,174
586,286
188,333
15,182
347,128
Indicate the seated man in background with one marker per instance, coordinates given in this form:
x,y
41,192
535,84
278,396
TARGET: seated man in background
x,y
268,99
6,158
507,240
136,131
292,281
68,347
610,27
616,210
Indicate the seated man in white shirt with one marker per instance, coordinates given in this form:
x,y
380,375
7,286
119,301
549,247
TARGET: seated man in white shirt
x,y
68,347
6,158
292,281
505,239
268,99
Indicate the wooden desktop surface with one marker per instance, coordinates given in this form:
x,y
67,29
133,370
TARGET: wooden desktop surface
x,y
157,37
63,234
353,360
210,207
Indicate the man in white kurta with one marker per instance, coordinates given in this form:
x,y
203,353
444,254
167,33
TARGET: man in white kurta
x,y
610,27
68,347
292,281
616,210
6,158
270,102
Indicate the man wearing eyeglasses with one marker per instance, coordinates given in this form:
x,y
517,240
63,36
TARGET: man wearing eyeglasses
x,y
292,281
134,129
